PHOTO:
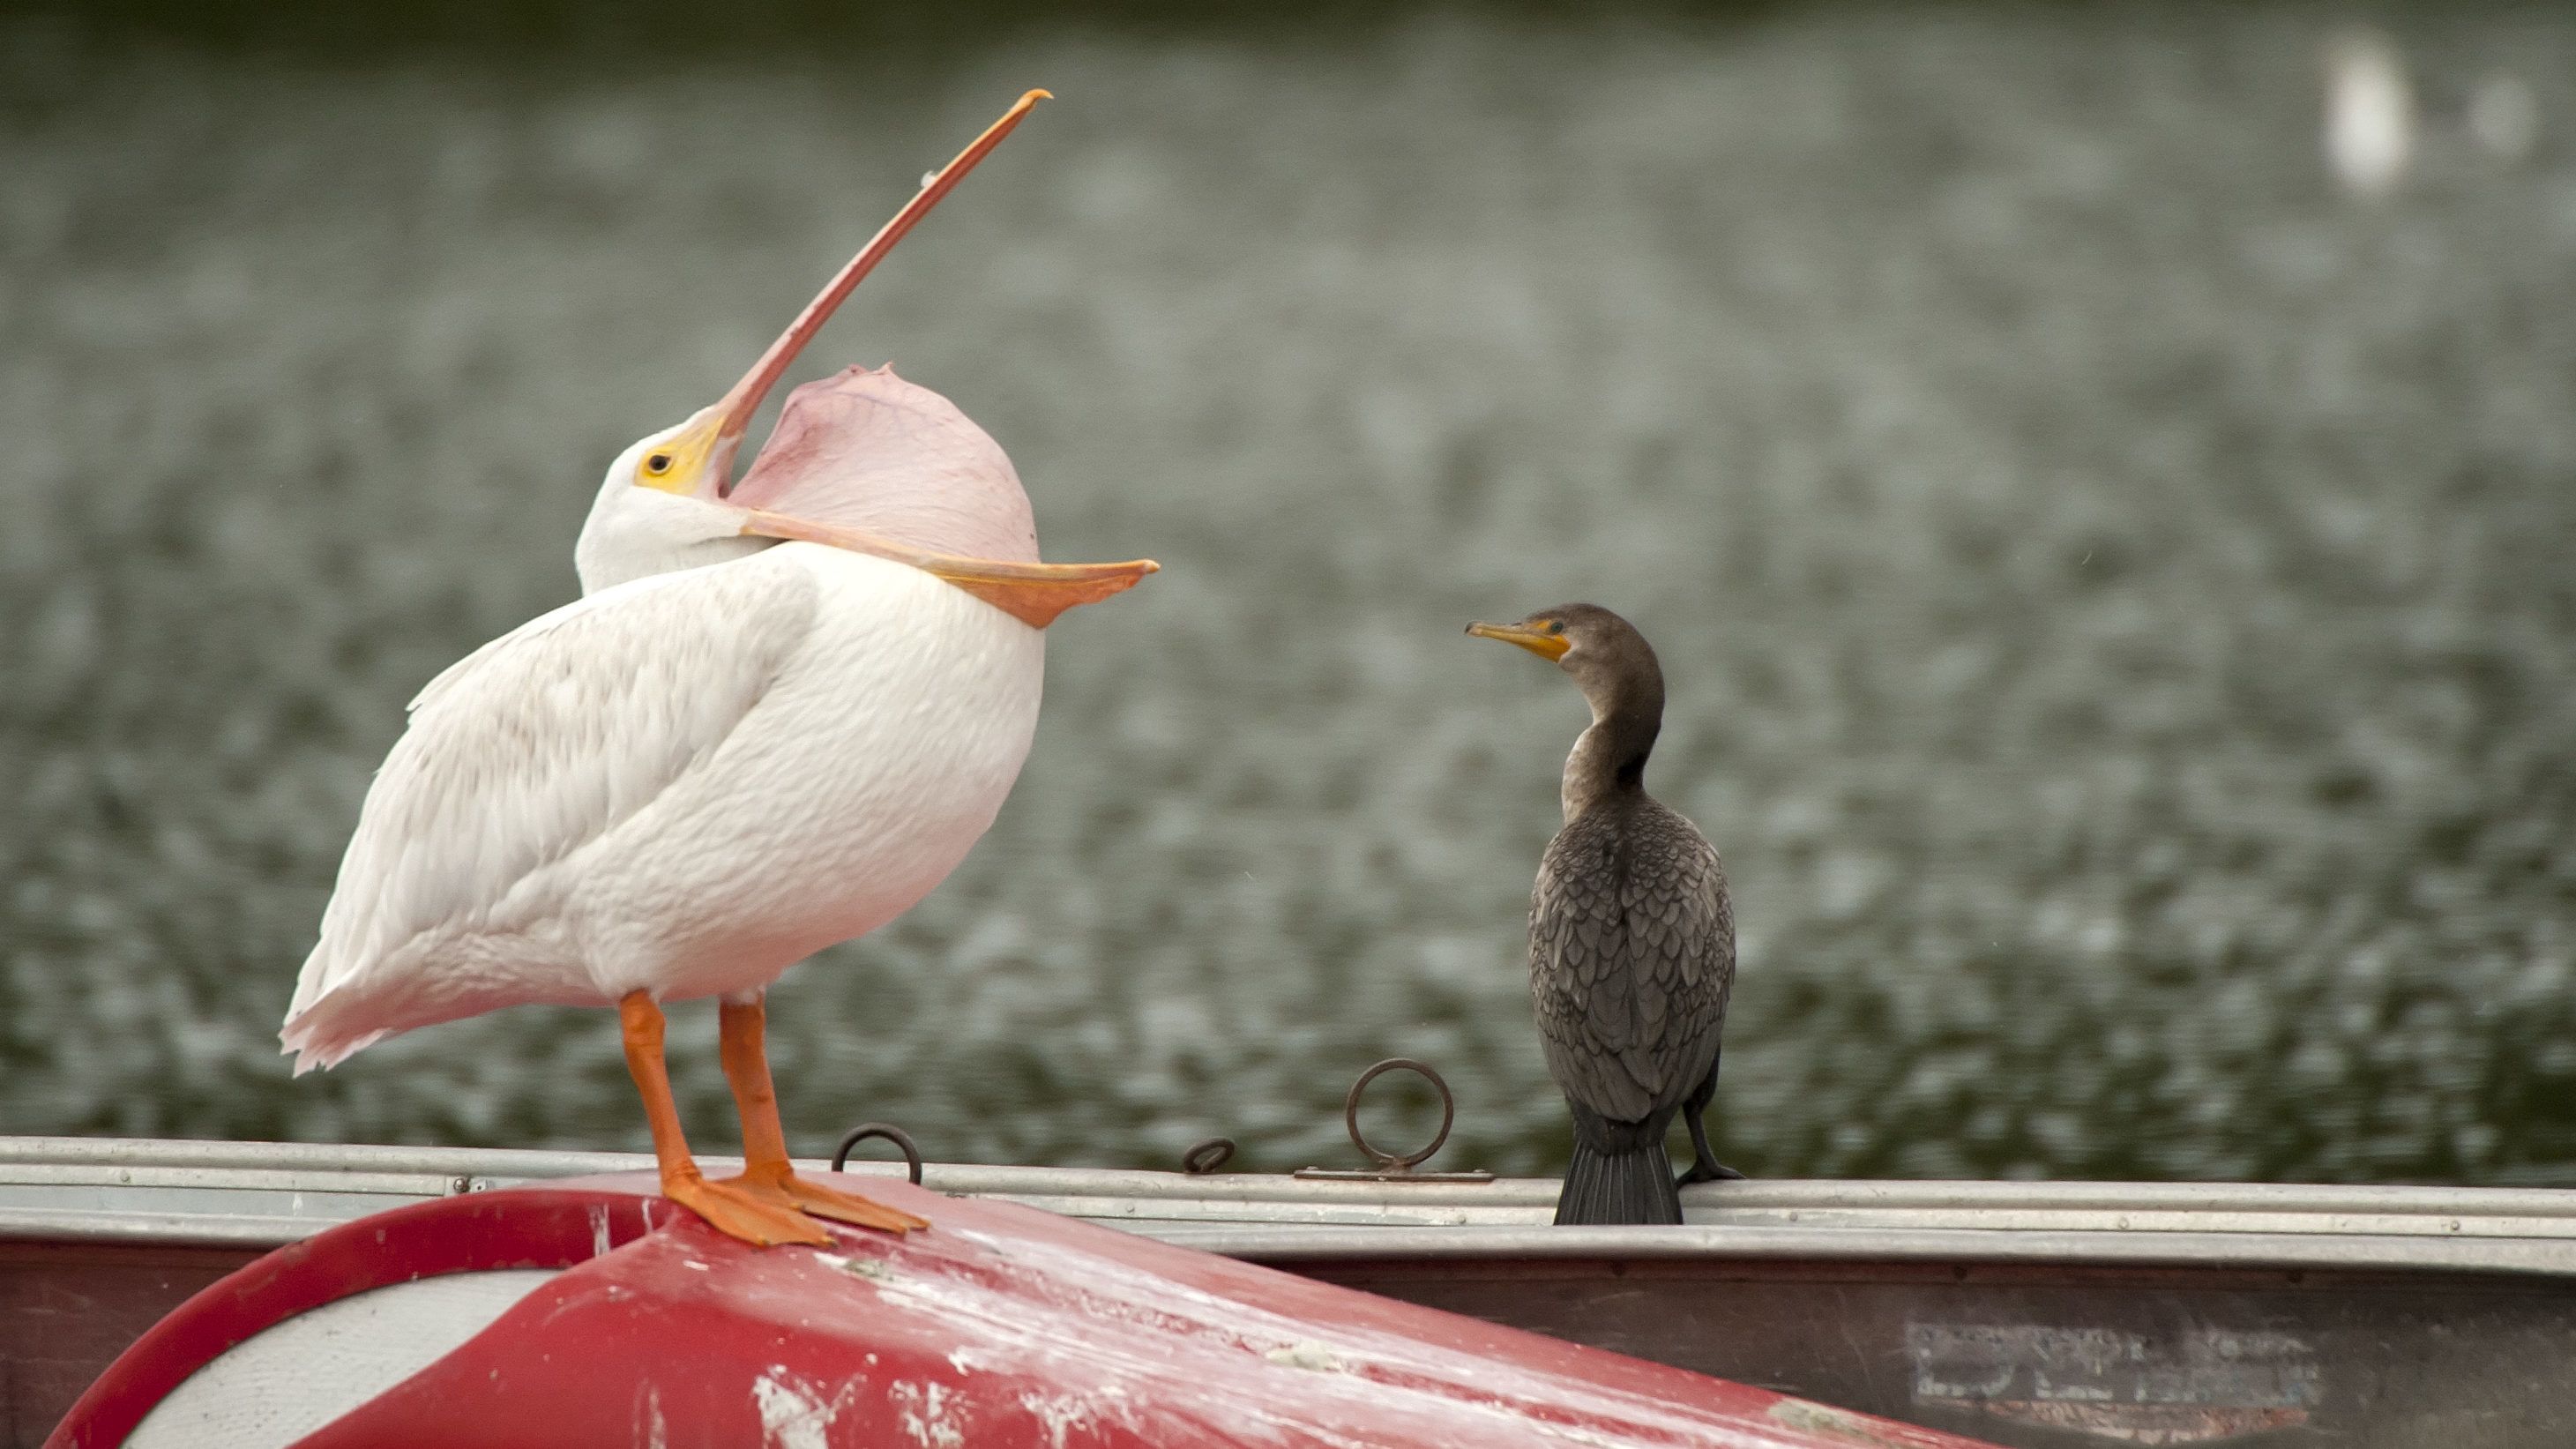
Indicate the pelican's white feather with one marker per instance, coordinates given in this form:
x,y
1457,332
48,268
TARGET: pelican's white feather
x,y
543,740
681,784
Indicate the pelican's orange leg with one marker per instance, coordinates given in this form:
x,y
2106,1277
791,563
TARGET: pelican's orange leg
x,y
765,1168
726,1207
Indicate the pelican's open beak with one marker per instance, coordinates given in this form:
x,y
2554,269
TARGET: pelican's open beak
x,y
700,457
702,453
1537,641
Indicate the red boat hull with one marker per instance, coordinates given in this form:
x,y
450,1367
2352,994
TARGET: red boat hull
x,y
999,1326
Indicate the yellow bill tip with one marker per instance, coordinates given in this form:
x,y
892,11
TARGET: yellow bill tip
x,y
1537,641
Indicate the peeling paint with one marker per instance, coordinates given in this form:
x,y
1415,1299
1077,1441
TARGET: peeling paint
x,y
1305,1353
1058,1415
872,1269
928,1413
652,1430
1814,1418
794,1414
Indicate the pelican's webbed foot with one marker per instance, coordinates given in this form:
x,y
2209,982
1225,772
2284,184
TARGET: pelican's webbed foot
x,y
847,1207
775,1184
739,1212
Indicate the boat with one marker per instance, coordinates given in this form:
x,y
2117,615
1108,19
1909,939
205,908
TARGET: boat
x,y
591,1313
2037,1314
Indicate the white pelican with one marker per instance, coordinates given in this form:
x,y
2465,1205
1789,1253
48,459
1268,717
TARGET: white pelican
x,y
781,714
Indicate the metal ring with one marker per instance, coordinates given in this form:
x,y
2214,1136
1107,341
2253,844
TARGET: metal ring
x,y
1208,1156
1389,1161
901,1139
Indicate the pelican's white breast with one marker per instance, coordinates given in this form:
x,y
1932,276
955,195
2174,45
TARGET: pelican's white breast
x,y
683,784
875,760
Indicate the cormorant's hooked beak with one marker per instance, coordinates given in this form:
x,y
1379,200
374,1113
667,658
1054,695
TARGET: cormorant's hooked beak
x,y
1537,641
700,455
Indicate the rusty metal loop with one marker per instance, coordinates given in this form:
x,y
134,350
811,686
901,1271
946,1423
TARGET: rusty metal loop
x,y
1208,1156
1388,1161
901,1139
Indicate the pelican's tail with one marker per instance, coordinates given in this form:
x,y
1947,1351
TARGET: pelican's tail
x,y
339,1012
1619,1173
311,1052
320,1034
353,1013
316,1029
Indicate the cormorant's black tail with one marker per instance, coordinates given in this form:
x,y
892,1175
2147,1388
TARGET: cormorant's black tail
x,y
1619,1173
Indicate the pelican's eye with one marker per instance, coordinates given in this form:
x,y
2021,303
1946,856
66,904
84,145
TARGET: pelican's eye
x,y
657,465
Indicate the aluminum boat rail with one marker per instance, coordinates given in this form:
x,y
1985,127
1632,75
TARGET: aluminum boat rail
x,y
263,1195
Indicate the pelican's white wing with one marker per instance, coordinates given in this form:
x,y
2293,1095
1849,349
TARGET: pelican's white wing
x,y
531,747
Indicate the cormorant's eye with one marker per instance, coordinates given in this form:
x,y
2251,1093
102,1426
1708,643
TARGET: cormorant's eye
x,y
658,464
1556,626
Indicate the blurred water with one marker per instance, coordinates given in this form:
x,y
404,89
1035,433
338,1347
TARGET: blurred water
x,y
2115,589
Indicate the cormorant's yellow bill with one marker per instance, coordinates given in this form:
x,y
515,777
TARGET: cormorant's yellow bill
x,y
1542,637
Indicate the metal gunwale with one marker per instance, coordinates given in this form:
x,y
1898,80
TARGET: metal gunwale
x,y
245,1194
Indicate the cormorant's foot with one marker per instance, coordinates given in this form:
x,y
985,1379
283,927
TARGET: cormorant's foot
x,y
816,1200
738,1211
1708,1172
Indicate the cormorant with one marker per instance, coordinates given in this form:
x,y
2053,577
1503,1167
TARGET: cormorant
x,y
1632,938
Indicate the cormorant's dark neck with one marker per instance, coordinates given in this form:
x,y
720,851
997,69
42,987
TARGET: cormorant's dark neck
x,y
1610,757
